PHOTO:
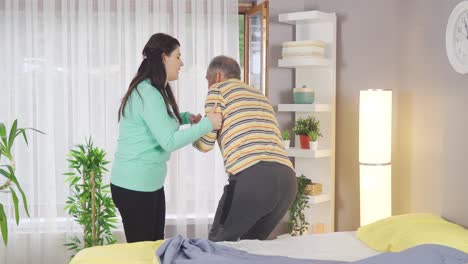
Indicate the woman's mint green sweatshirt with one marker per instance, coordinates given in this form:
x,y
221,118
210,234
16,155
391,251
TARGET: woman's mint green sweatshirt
x,y
147,137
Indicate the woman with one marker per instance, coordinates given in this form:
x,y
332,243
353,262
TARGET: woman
x,y
149,122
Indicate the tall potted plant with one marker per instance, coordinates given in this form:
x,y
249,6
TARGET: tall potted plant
x,y
89,203
307,129
9,182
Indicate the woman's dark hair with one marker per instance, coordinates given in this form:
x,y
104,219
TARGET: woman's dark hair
x,y
152,68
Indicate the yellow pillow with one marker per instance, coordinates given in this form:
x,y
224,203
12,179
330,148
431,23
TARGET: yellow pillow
x,y
400,232
127,253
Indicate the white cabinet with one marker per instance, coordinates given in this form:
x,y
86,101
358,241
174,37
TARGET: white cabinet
x,y
320,74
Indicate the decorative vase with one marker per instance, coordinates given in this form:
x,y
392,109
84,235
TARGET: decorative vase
x,y
303,95
304,140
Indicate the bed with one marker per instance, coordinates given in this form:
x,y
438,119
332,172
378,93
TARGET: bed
x,y
330,246
393,234
343,246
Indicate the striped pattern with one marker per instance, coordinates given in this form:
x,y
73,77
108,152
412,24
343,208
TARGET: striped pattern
x,y
250,131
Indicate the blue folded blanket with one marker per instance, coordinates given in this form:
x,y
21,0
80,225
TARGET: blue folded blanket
x,y
179,250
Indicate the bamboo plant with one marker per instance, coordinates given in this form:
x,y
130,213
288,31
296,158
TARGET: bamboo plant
x,y
90,203
298,224
8,173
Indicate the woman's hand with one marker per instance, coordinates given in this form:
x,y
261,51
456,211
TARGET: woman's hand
x,y
215,118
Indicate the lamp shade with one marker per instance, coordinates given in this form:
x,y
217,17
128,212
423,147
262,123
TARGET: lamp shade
x,y
375,140
375,193
375,126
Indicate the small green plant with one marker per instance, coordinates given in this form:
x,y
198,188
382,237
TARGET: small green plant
x,y
314,136
286,135
89,203
298,224
11,184
306,126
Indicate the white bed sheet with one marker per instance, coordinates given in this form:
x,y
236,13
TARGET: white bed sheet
x,y
344,246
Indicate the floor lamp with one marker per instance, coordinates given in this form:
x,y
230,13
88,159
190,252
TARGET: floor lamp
x,y
375,140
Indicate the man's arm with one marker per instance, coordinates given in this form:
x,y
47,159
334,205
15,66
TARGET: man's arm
x,y
206,143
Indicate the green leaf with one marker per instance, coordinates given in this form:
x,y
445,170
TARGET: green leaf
x,y
12,136
11,170
5,173
69,178
3,225
2,130
35,130
77,179
15,202
13,178
74,152
24,136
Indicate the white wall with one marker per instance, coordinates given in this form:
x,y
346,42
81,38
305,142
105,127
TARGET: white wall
x,y
397,45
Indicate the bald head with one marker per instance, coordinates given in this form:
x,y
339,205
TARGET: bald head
x,y
222,68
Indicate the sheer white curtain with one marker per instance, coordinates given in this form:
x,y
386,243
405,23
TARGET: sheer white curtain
x,y
64,67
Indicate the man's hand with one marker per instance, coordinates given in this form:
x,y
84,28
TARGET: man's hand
x,y
194,119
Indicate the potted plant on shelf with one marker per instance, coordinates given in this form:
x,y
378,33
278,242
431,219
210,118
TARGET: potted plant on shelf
x,y
313,135
90,203
286,139
300,129
8,171
298,224
307,129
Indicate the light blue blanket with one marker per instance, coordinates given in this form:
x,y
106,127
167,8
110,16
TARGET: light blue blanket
x,y
179,250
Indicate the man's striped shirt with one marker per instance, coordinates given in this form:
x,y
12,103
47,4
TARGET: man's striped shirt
x,y
249,133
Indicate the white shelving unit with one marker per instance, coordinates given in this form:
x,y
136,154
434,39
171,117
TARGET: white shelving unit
x,y
292,63
316,199
307,153
320,74
304,108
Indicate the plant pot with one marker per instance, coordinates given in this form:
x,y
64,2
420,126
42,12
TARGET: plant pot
x,y
304,140
286,143
313,145
318,228
313,189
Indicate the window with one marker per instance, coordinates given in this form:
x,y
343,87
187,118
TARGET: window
x,y
253,44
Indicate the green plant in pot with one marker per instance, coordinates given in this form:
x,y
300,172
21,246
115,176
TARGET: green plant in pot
x,y
9,182
306,129
313,136
298,224
90,203
286,135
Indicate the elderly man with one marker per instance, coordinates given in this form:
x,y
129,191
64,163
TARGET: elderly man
x,y
262,183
